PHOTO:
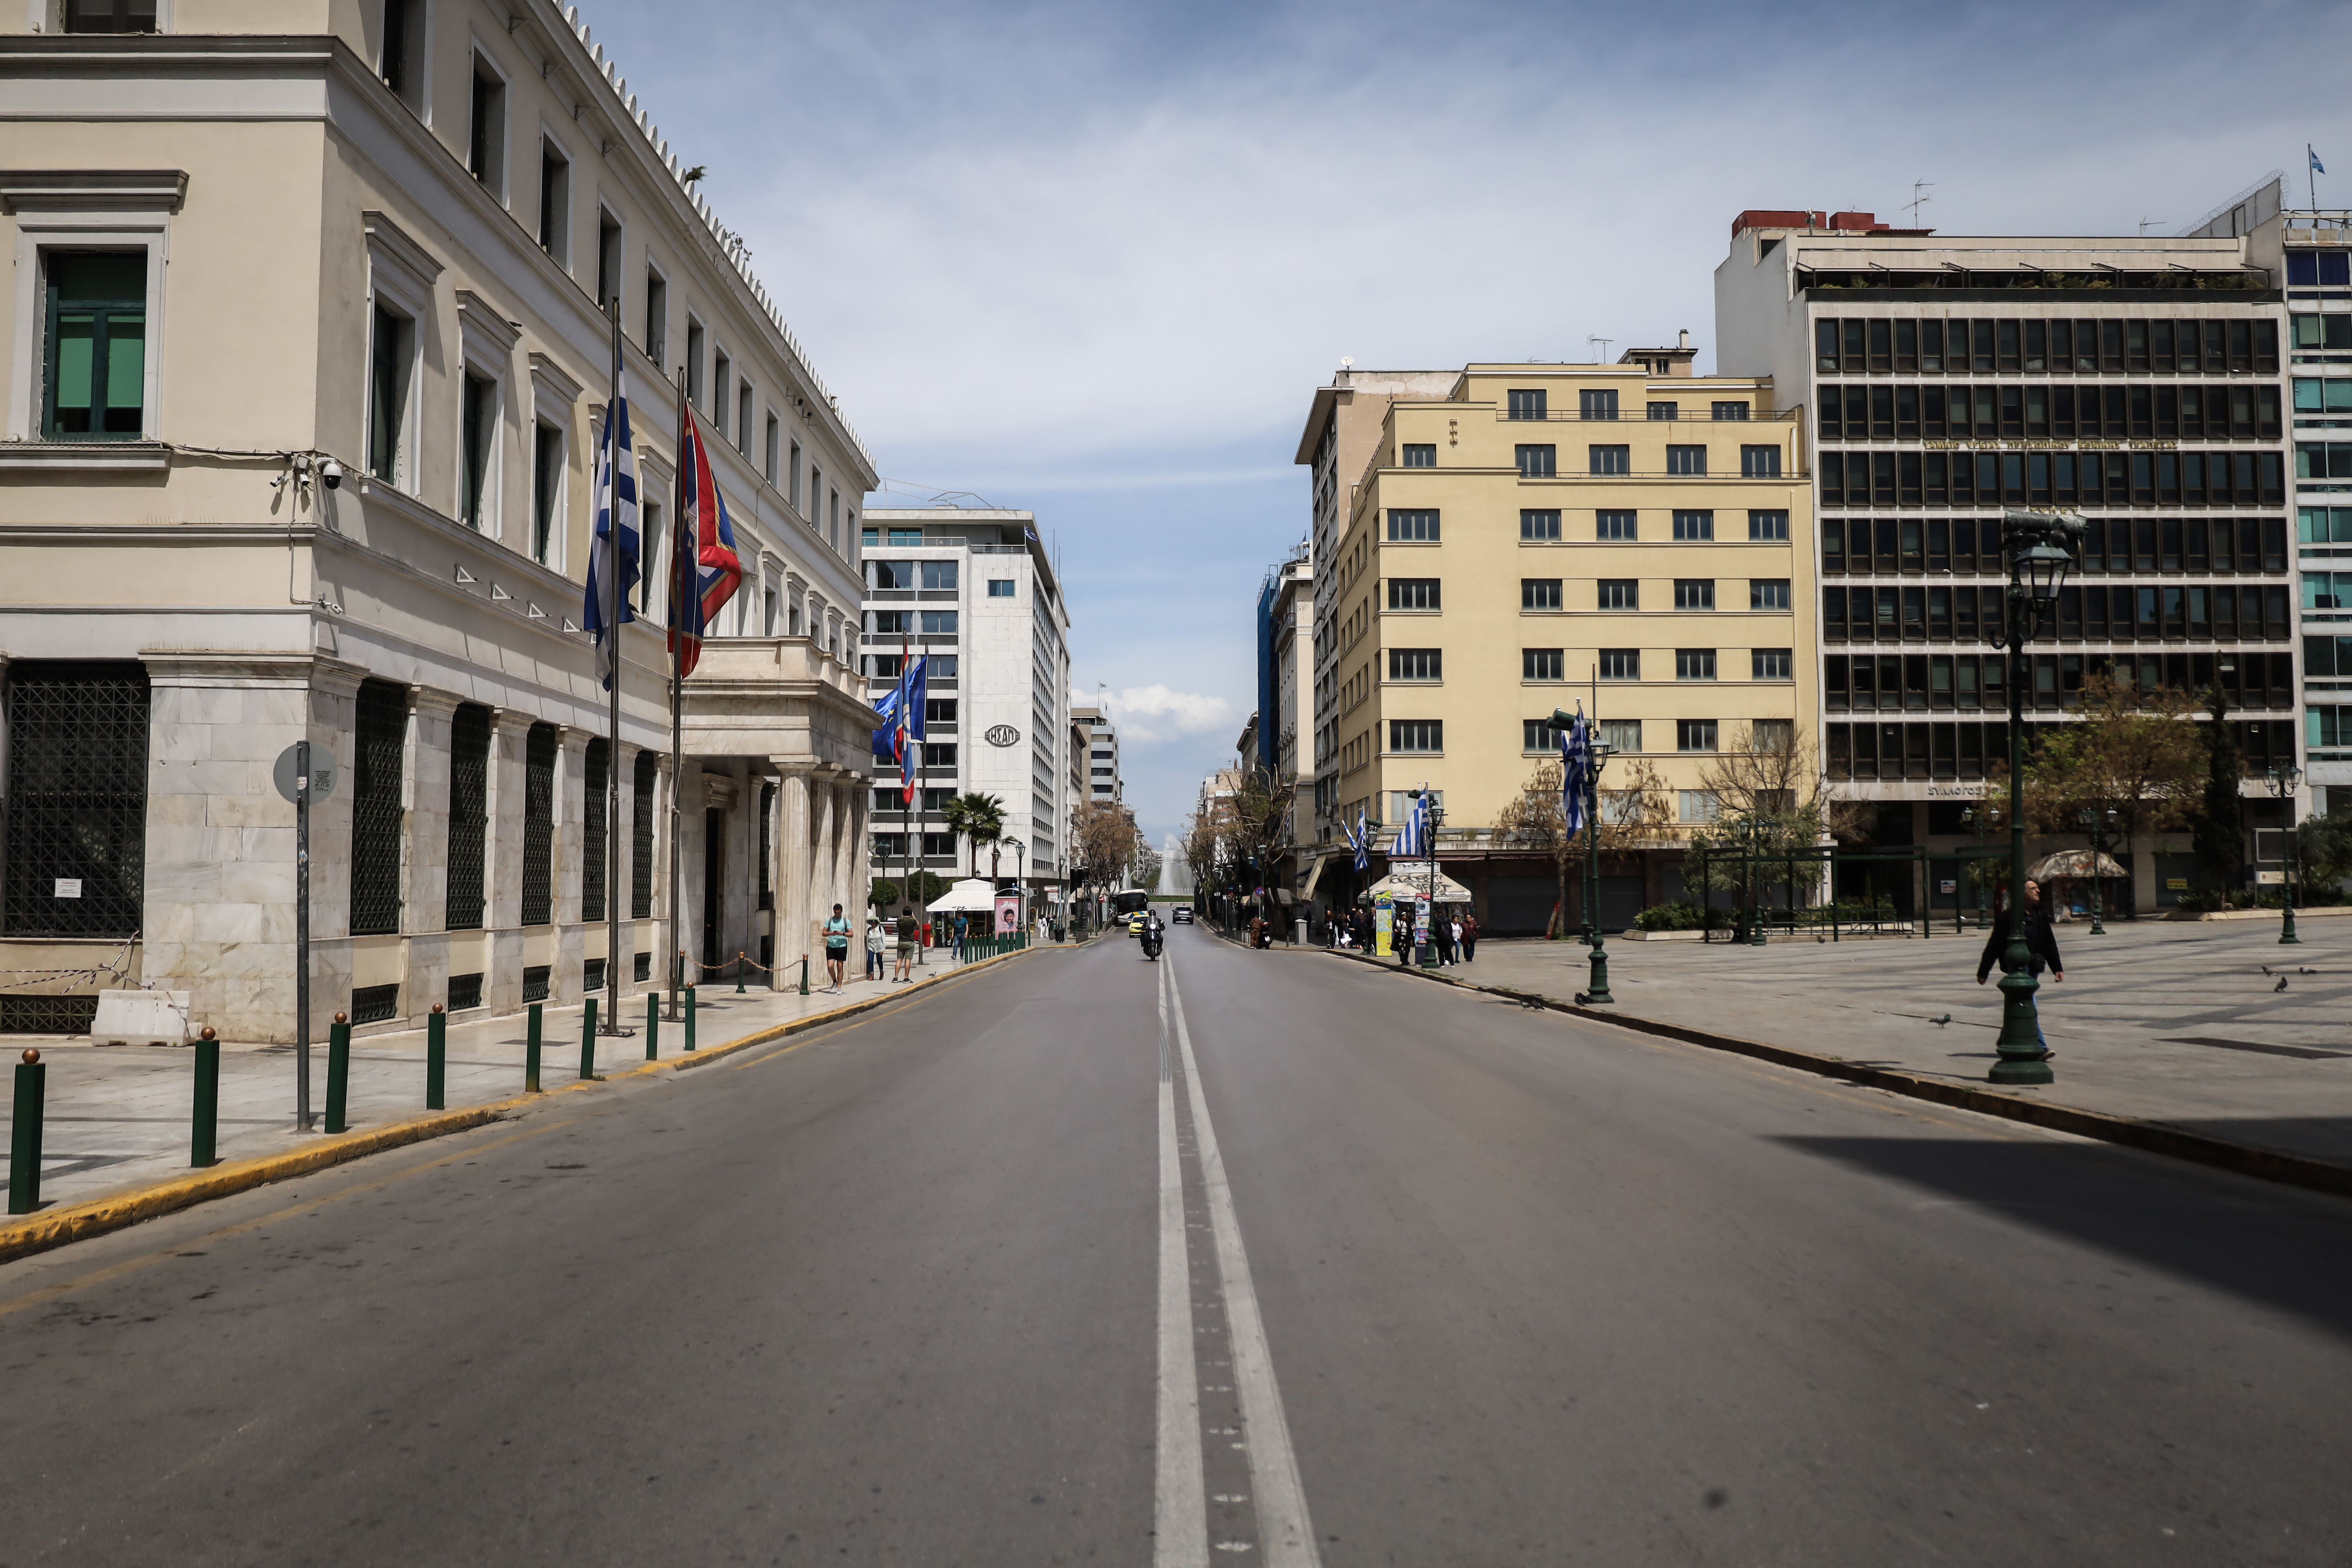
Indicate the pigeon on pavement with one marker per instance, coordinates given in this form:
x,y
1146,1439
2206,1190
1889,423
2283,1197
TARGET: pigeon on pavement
x,y
2281,985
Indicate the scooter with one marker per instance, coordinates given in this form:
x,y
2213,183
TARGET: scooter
x,y
1152,941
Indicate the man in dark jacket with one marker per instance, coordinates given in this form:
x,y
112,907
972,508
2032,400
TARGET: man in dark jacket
x,y
2041,950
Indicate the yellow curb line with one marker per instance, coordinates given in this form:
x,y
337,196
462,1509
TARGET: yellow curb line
x,y
98,1217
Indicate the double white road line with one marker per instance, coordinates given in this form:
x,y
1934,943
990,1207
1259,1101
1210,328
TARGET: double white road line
x,y
1286,1538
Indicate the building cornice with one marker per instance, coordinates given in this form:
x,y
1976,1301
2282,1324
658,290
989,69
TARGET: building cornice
x,y
92,190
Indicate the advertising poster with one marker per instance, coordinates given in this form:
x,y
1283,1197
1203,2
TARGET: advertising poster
x,y
1383,914
1008,913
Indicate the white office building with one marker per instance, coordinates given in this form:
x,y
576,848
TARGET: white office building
x,y
974,590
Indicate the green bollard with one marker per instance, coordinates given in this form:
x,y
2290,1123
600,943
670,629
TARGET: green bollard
x,y
530,1052
804,974
690,1017
25,1135
739,971
339,1074
436,1058
205,1133
653,1025
588,1039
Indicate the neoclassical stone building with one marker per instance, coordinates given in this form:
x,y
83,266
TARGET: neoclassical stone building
x,y
306,353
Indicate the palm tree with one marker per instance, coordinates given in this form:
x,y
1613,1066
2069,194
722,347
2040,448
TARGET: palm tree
x,y
978,817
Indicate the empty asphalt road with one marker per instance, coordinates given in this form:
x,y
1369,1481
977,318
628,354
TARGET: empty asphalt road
x,y
1239,1257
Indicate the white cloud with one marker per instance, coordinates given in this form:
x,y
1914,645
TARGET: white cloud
x,y
1156,713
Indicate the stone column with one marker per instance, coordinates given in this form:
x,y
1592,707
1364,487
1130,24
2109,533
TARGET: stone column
x,y
851,823
569,860
793,868
218,906
425,848
624,851
823,865
502,858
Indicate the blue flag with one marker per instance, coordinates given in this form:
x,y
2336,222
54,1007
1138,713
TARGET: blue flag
x,y
614,548
1576,772
1412,838
1361,837
2316,166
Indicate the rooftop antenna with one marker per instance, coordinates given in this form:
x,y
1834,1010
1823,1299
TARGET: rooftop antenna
x,y
1603,358
1920,198
2147,223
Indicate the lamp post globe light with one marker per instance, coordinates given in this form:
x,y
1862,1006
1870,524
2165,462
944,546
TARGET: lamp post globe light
x,y
2089,820
2284,783
1596,991
2038,548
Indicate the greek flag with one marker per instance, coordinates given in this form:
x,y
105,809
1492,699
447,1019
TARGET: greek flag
x,y
1412,838
2316,166
1361,837
1576,772
617,528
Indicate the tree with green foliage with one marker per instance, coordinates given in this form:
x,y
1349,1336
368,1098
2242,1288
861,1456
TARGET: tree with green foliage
x,y
978,818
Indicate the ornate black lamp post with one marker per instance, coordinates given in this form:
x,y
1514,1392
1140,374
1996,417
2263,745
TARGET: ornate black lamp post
x,y
1597,988
1982,817
2039,548
2089,819
2284,783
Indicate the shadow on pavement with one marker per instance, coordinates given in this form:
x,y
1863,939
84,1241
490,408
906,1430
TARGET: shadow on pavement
x,y
2289,1254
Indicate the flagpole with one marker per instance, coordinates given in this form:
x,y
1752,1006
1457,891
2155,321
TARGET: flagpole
x,y
675,609
905,800
613,839
2311,175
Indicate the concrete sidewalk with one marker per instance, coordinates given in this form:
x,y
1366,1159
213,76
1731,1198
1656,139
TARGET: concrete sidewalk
x,y
118,1117
2173,1024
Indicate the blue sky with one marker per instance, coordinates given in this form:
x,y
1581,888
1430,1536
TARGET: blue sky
x,y
1094,259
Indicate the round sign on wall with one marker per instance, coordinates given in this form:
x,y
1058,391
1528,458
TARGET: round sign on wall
x,y
1003,735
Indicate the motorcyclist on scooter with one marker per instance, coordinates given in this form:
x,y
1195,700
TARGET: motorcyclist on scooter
x,y
1154,933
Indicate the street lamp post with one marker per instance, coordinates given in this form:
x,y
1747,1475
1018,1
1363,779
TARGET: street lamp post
x,y
2038,548
1596,992
2284,783
1981,818
2089,818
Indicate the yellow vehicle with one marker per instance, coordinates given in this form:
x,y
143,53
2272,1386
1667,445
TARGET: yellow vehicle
x,y
1134,922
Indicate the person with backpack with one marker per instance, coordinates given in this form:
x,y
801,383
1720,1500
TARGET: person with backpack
x,y
911,931
875,940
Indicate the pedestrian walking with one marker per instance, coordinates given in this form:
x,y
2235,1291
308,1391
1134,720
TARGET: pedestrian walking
x,y
1469,938
911,931
837,947
963,925
2041,950
875,940
1454,936
1257,930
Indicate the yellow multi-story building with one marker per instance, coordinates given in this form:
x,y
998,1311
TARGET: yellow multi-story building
x,y
1628,537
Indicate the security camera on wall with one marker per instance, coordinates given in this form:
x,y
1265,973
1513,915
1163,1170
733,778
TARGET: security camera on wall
x,y
332,472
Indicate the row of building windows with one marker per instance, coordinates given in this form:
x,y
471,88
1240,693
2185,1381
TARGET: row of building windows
x,y
1908,413
912,622
1410,737
2048,478
1976,750
1426,665
1542,526
934,576
1886,545
1865,346
2169,612
1970,681
1600,403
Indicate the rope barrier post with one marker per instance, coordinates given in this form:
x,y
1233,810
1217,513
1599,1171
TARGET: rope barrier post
x,y
739,971
804,974
588,1039
690,1017
530,1052
436,1058
25,1134
339,1073
206,1133
653,1025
